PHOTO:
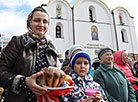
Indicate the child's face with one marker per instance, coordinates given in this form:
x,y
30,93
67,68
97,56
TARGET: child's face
x,y
81,66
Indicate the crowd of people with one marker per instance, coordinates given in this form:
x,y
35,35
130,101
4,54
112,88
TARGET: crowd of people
x,y
113,73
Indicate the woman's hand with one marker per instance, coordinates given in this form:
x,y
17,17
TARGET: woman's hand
x,y
31,83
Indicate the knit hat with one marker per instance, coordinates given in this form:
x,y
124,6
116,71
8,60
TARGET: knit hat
x,y
80,54
104,50
73,48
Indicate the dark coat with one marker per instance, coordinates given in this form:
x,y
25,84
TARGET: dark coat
x,y
65,64
19,58
114,83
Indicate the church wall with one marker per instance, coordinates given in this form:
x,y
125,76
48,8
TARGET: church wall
x,y
104,24
133,35
66,41
66,21
81,11
103,20
122,45
65,8
128,26
83,36
134,39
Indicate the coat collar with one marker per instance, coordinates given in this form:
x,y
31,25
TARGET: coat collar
x,y
106,68
28,41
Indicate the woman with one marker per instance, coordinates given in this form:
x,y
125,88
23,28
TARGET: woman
x,y
81,64
24,57
114,83
121,59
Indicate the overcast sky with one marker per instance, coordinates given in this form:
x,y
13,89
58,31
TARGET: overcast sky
x,y
13,13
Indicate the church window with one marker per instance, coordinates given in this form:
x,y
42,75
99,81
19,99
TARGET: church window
x,y
59,32
94,33
92,13
124,36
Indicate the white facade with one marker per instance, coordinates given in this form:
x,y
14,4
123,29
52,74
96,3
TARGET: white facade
x,y
76,26
103,21
129,31
65,22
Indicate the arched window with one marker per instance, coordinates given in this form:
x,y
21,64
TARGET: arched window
x,y
94,33
59,30
124,36
58,11
92,14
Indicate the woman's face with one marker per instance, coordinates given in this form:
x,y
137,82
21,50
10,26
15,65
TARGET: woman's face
x,y
39,23
81,66
125,57
107,58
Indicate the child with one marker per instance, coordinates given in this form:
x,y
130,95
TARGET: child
x,y
81,64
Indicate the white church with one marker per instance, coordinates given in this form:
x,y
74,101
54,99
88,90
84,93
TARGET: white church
x,y
93,25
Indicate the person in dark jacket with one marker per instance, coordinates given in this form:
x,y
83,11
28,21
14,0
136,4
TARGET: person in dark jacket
x,y
134,69
23,58
66,66
96,63
113,81
68,55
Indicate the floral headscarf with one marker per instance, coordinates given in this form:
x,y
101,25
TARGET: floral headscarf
x,y
37,38
30,16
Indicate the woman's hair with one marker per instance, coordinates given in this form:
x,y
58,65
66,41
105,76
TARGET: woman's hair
x,y
30,16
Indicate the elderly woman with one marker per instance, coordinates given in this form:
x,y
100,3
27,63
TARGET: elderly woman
x,y
113,81
24,57
121,59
